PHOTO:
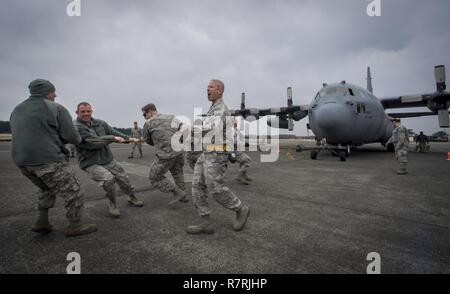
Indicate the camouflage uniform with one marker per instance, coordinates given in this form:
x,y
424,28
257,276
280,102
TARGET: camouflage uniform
x,y
107,175
210,168
136,133
97,161
241,157
400,140
244,161
40,129
53,179
158,132
192,157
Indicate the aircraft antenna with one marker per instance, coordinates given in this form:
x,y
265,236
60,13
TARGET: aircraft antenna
x,y
369,80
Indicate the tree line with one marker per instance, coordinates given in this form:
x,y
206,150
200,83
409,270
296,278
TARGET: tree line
x,y
5,128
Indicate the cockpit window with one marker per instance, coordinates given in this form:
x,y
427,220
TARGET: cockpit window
x,y
335,91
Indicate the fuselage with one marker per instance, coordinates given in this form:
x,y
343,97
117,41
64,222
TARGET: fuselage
x,y
346,114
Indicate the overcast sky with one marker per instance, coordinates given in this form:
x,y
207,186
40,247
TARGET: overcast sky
x,y
119,55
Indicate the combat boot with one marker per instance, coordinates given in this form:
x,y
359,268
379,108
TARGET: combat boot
x,y
76,229
42,224
113,209
205,227
241,179
178,195
131,156
241,218
132,200
403,170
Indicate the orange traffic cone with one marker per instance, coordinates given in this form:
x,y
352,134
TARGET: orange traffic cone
x,y
448,156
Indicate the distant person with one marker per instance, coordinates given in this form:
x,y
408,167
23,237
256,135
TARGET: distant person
x,y
136,133
400,139
40,129
210,168
242,158
158,131
422,141
96,158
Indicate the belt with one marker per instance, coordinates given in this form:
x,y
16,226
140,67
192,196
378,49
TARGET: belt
x,y
216,148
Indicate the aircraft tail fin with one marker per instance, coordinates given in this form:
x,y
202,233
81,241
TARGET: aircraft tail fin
x,y
369,80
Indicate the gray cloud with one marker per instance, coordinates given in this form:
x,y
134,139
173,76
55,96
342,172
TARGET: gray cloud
x,y
120,55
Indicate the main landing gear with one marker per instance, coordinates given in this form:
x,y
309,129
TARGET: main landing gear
x,y
339,151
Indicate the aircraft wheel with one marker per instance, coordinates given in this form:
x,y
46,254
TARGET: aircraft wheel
x,y
342,156
313,154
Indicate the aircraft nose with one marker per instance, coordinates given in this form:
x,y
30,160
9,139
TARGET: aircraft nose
x,y
331,116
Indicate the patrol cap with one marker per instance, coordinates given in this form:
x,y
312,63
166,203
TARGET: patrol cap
x,y
395,119
41,87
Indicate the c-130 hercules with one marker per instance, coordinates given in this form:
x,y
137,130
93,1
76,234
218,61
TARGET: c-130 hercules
x,y
343,115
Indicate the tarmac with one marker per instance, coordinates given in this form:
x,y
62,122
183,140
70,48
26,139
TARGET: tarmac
x,y
307,216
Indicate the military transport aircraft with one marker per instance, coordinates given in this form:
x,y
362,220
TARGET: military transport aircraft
x,y
343,116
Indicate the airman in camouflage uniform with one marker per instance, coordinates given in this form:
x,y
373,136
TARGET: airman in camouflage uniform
x,y
136,133
400,139
96,159
158,131
40,129
422,141
210,168
242,158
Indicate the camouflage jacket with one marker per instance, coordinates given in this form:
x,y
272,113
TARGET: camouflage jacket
x,y
40,129
158,132
217,127
400,137
136,133
95,153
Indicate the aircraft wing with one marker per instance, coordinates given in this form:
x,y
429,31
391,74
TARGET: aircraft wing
x,y
411,114
420,100
438,102
286,115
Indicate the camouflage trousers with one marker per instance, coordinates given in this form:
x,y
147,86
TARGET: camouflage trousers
x,y
422,147
57,179
244,161
108,175
159,169
401,155
209,173
139,147
192,157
